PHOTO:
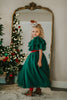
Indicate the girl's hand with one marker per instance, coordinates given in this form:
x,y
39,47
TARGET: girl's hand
x,y
39,63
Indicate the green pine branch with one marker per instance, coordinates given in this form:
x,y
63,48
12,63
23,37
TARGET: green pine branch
x,y
1,29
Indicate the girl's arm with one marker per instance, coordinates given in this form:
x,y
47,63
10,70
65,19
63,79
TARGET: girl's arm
x,y
40,58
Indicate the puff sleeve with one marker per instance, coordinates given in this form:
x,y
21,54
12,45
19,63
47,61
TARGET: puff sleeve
x,y
37,43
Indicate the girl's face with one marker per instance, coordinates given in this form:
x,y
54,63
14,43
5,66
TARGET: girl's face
x,y
35,31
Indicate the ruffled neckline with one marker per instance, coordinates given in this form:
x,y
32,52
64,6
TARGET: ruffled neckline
x,y
36,43
37,37
36,40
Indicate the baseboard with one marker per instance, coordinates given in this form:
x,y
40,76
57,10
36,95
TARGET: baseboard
x,y
59,84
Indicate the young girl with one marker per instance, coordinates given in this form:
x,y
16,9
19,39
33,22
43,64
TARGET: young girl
x,y
35,71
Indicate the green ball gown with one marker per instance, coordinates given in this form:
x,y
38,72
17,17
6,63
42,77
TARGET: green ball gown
x,y
31,75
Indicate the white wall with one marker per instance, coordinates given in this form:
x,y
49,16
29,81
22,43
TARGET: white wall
x,y
59,52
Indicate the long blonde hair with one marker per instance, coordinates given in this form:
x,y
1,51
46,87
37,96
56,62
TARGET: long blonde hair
x,y
41,30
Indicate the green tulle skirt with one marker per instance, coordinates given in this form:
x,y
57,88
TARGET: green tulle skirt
x,y
31,75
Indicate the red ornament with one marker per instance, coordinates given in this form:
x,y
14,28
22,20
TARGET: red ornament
x,y
12,54
18,50
11,41
11,75
6,58
19,26
17,61
14,30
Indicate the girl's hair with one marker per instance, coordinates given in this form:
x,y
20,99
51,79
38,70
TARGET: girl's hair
x,y
41,30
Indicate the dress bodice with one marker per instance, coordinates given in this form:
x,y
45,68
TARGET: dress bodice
x,y
37,43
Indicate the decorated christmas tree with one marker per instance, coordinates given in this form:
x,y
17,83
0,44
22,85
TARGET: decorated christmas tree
x,y
2,50
16,55
13,56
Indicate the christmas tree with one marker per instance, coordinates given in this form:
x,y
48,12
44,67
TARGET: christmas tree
x,y
2,49
14,56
